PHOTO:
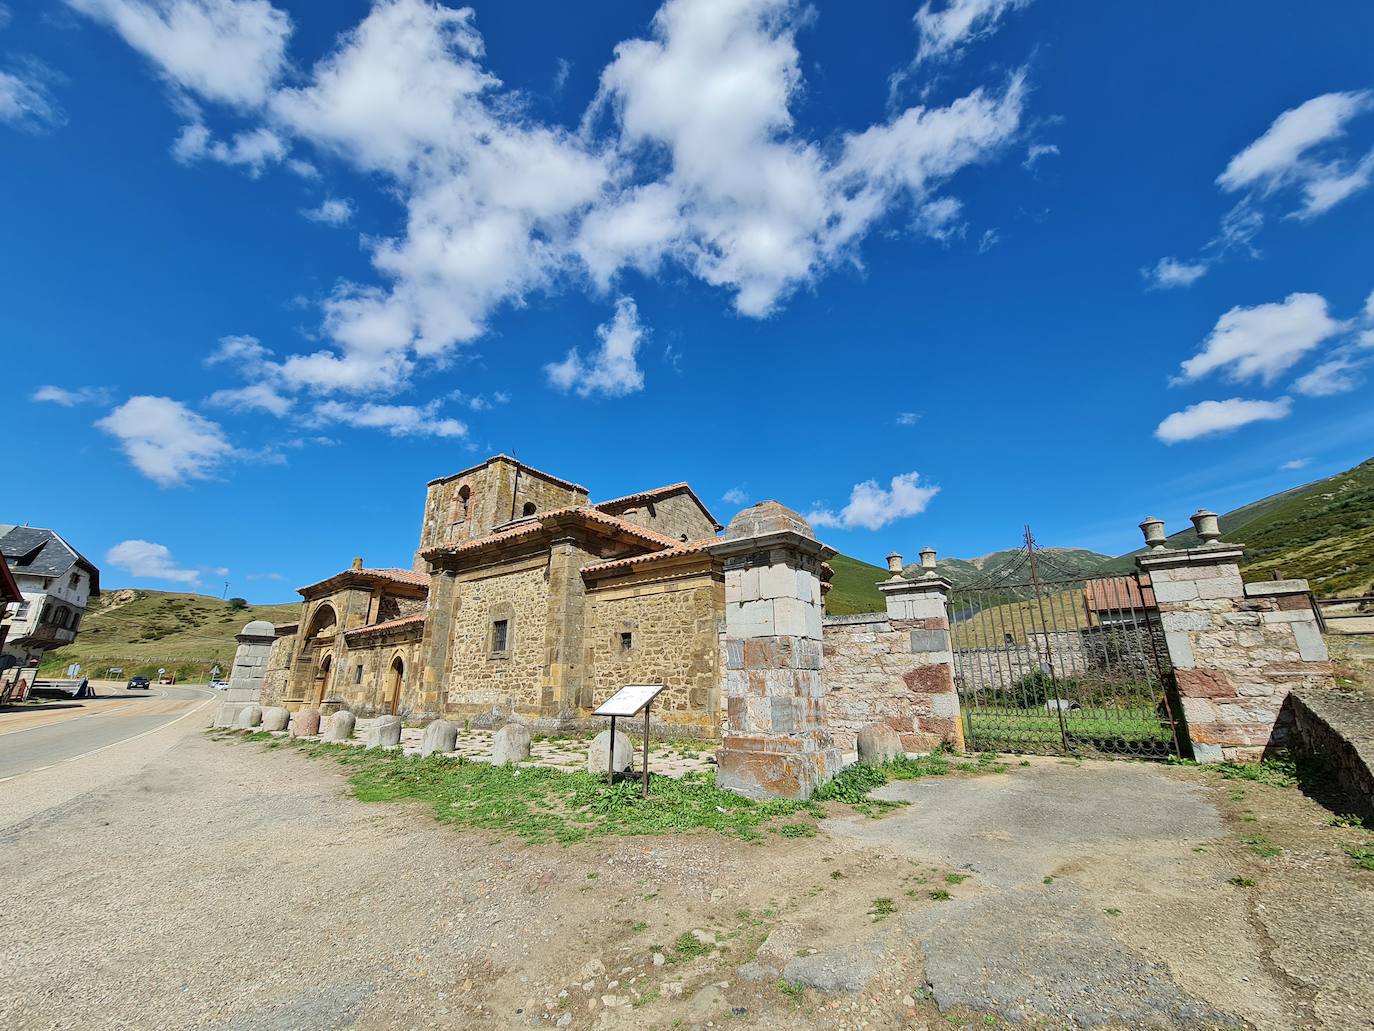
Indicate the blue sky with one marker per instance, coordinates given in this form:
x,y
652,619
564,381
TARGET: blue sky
x,y
923,272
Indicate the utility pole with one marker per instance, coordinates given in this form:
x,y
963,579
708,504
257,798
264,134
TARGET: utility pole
x,y
225,593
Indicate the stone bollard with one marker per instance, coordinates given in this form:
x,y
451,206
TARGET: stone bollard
x,y
306,723
385,732
512,745
225,715
598,752
275,718
878,743
440,736
339,727
249,716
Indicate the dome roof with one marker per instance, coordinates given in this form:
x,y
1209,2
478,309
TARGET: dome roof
x,y
259,628
767,517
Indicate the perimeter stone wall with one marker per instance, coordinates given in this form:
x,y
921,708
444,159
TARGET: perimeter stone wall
x,y
892,671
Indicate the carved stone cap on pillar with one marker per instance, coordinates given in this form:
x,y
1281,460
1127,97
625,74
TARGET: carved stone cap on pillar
x,y
258,630
1153,529
894,564
768,525
1214,555
1207,527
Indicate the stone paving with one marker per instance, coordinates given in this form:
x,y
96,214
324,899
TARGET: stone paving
x,y
666,758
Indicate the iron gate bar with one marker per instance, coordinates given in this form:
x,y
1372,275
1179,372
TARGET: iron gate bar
x,y
1061,662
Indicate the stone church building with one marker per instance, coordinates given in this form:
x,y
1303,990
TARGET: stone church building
x,y
525,598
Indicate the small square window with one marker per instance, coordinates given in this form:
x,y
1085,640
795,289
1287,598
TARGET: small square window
x,y
627,640
500,633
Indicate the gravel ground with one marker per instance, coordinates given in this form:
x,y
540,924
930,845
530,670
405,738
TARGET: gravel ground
x,y
223,885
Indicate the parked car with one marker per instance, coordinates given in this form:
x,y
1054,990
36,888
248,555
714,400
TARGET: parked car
x,y
220,685
140,682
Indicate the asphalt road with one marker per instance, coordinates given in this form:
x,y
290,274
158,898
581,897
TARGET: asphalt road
x,y
31,740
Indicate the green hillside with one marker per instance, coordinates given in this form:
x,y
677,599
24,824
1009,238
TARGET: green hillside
x,y
1059,564
144,630
853,587
1322,531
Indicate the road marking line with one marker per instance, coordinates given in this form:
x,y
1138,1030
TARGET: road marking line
x,y
112,744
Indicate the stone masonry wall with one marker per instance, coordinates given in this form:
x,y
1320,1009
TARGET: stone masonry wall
x,y
880,670
674,516
1237,649
278,673
1336,729
478,680
674,632
370,694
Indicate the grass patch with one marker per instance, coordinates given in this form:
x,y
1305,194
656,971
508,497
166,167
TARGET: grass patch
x,y
794,990
881,909
1242,882
1262,847
1363,857
1013,728
956,878
1347,820
939,895
797,830
688,947
540,804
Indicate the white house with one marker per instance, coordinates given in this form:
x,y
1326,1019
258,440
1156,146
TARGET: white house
x,y
56,582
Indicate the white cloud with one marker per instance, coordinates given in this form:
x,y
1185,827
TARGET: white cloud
x,y
1170,272
148,560
957,23
5,15
1294,464
1280,155
71,398
1264,341
735,496
1036,151
1337,375
331,212
1211,417
166,441
871,507
612,370
265,576
1299,154
908,418
397,420
255,396
230,51
253,150
26,101
246,352
689,154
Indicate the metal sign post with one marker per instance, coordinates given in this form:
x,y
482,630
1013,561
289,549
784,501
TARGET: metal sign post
x,y
630,700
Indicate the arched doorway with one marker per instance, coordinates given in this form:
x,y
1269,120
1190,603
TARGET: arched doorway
x,y
322,672
395,681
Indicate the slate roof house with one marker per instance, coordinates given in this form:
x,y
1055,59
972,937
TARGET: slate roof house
x,y
56,583
524,598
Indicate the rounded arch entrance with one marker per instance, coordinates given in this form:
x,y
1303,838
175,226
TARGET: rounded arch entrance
x,y
324,618
395,684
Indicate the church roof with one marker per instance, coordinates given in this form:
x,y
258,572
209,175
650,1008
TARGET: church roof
x,y
559,481
368,578
657,493
677,550
402,623
534,525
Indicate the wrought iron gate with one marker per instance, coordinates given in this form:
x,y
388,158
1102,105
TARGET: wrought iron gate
x,y
1049,661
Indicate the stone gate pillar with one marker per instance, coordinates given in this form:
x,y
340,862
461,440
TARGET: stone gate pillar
x,y
250,667
920,607
776,744
1237,649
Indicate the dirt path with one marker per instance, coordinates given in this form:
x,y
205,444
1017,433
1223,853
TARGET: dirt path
x,y
232,887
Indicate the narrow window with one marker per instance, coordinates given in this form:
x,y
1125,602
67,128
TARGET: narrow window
x,y
358,673
76,619
499,632
627,640
76,579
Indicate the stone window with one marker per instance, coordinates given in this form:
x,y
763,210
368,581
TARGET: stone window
x,y
627,640
464,508
528,510
500,635
74,581
358,673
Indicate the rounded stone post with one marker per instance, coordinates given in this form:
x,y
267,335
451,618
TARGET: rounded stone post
x,y
894,564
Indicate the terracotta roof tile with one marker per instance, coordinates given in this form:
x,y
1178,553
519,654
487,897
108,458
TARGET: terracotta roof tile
x,y
527,528
1118,593
390,624
678,549
658,492
393,573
